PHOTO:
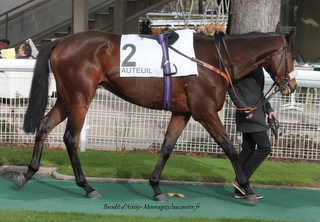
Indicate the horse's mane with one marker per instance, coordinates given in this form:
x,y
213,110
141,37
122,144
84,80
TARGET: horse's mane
x,y
217,37
220,35
252,35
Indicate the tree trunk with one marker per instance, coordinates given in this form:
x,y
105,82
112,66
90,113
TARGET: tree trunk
x,y
254,16
200,6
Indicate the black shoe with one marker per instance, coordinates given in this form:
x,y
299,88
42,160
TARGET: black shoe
x,y
237,186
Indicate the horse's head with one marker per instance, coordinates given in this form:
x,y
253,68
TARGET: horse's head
x,y
280,64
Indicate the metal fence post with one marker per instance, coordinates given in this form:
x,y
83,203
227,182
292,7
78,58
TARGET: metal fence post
x,y
83,135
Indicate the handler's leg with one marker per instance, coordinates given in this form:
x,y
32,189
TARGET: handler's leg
x,y
258,155
251,157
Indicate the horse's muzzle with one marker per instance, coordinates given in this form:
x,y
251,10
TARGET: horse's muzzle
x,y
290,88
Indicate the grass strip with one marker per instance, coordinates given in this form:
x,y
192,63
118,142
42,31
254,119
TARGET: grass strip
x,y
35,216
180,168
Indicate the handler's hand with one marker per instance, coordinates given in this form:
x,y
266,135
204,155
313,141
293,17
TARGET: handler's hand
x,y
272,114
249,115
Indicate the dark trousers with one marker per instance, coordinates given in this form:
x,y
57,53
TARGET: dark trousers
x,y
255,149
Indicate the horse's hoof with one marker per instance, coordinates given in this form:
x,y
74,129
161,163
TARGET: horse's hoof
x,y
252,198
161,198
21,180
94,195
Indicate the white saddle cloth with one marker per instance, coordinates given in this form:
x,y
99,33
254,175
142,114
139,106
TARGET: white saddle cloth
x,y
142,57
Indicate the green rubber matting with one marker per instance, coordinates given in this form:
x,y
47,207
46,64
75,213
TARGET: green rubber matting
x,y
45,193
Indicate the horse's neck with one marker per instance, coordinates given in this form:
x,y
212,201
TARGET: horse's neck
x,y
252,53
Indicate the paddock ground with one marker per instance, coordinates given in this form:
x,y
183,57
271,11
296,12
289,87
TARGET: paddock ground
x,y
45,193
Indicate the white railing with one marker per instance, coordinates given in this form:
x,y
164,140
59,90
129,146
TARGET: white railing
x,y
114,124
174,20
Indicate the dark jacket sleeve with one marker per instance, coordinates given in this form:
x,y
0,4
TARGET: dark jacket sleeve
x,y
268,108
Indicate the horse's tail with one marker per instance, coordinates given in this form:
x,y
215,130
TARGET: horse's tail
x,y
38,97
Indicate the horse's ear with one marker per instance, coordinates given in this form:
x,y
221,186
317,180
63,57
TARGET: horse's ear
x,y
278,28
291,34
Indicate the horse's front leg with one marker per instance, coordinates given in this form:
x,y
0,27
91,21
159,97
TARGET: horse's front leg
x,y
214,126
175,127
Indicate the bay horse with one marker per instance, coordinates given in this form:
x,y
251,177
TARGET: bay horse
x,y
83,61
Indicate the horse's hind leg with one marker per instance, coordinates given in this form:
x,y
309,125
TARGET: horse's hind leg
x,y
175,127
213,125
51,120
71,139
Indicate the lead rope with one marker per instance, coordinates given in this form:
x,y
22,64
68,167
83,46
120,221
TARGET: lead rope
x,y
232,70
232,86
225,75
203,64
